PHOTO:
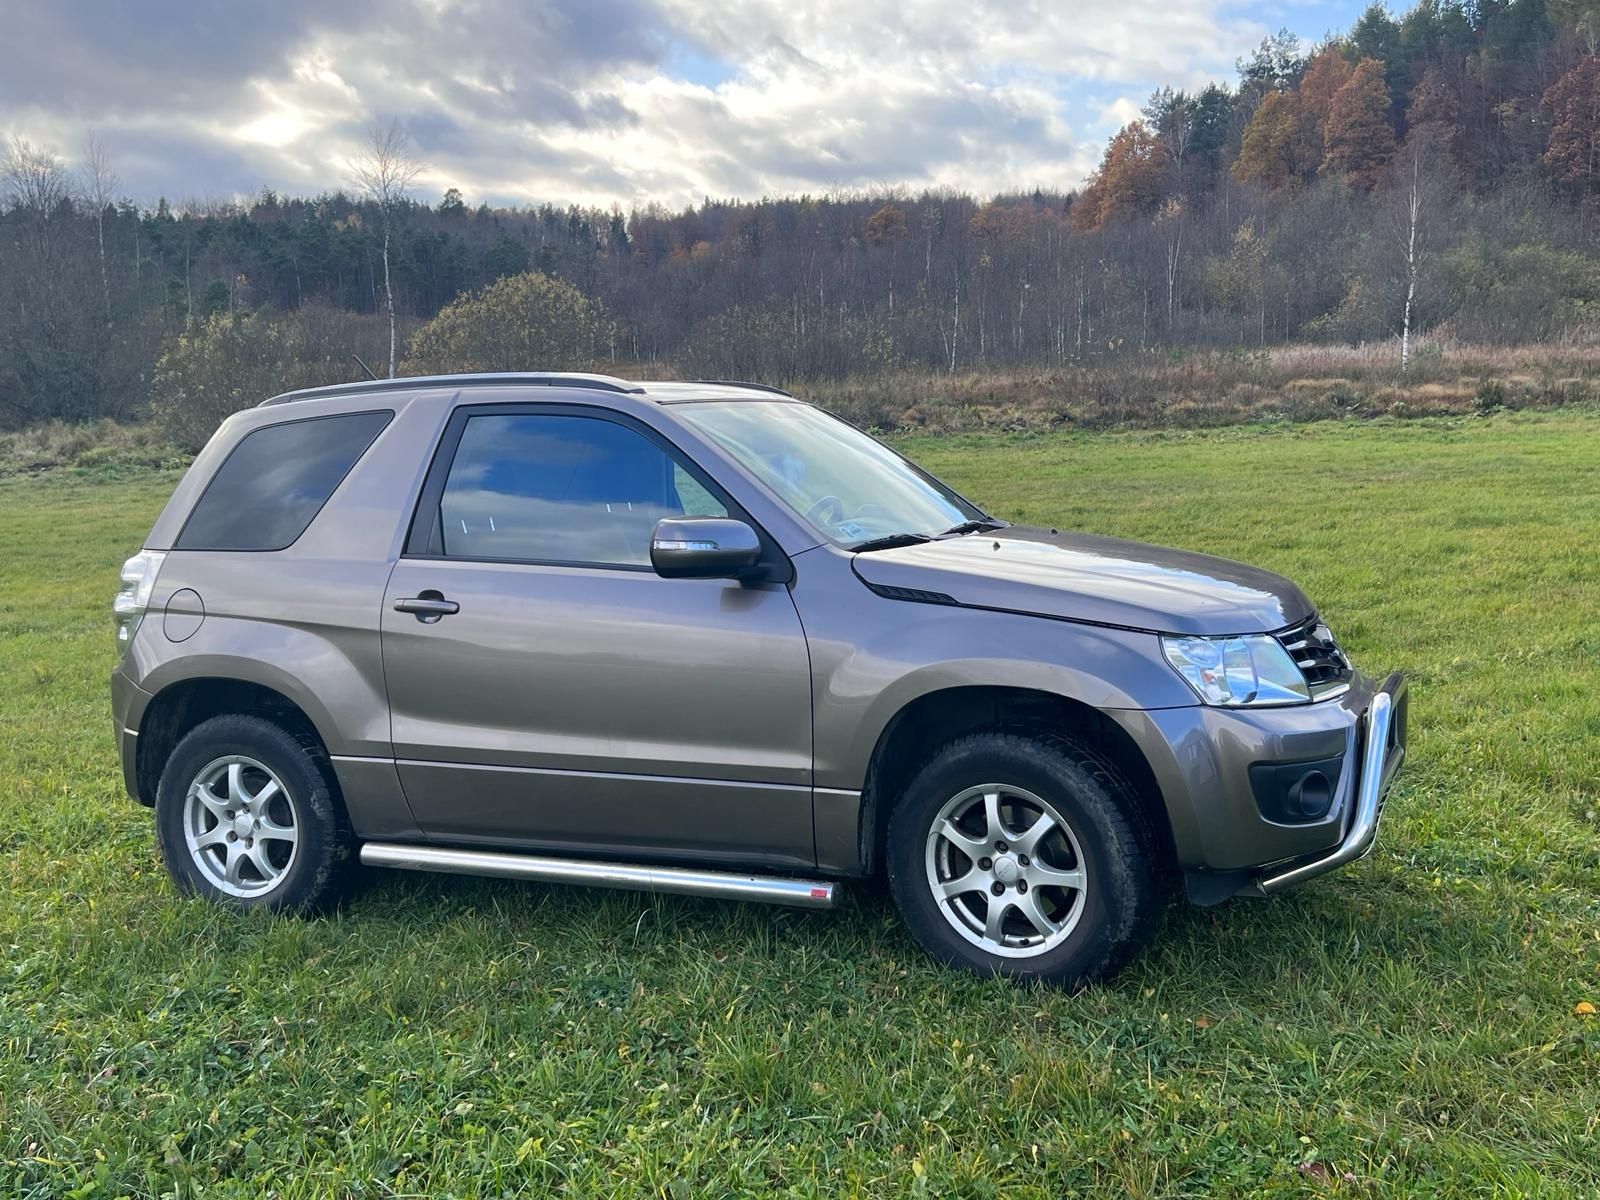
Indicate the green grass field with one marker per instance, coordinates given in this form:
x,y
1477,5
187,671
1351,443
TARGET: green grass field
x,y
1407,1027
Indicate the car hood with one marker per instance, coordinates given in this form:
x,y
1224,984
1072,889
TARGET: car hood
x,y
1081,577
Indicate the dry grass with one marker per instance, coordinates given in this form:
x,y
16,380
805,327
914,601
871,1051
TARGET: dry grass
x,y
1150,391
105,447
1291,383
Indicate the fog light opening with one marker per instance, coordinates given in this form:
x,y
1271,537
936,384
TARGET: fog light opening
x,y
1311,796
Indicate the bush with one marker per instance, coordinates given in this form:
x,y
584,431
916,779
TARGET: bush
x,y
528,322
233,362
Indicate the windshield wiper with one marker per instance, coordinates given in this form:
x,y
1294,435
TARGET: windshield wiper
x,y
983,525
890,541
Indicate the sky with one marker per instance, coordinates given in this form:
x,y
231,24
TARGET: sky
x,y
603,102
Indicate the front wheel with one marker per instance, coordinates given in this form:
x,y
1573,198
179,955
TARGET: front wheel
x,y
1026,856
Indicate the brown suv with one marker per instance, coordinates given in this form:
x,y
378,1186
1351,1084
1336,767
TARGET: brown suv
x,y
701,637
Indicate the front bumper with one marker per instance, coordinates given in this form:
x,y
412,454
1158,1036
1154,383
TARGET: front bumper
x,y
1203,760
1382,750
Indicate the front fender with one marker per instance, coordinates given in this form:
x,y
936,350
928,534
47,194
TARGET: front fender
x,y
871,656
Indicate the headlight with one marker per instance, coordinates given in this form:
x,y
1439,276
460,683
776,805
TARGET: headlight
x,y
1237,672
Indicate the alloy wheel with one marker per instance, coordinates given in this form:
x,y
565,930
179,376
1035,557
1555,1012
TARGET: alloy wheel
x,y
239,825
1006,870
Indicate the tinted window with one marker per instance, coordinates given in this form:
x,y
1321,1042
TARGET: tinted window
x,y
276,480
561,489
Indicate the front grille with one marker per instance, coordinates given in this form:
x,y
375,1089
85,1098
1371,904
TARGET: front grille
x,y
1318,656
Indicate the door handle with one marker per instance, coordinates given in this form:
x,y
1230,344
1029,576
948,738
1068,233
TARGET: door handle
x,y
428,607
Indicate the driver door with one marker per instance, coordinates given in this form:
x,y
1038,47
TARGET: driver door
x,y
571,698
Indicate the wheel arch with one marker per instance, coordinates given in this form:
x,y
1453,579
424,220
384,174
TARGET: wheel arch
x,y
186,703
922,725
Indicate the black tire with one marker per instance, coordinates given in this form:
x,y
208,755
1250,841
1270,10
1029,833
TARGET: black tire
x,y
1124,886
314,875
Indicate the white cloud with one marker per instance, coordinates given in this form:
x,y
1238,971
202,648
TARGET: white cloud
x,y
590,101
1121,111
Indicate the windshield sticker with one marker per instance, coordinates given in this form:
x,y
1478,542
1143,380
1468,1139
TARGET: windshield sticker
x,y
851,532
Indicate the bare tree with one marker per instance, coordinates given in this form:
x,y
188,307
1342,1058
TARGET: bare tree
x,y
1170,221
1421,198
384,172
1414,219
97,184
32,178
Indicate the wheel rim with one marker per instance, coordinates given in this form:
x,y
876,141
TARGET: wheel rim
x,y
240,826
1006,870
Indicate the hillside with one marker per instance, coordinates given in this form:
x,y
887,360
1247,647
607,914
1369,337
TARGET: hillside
x,y
1433,174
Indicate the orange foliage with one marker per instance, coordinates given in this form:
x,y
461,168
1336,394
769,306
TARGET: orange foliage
x,y
1573,107
886,226
1280,144
1326,73
1357,134
1128,183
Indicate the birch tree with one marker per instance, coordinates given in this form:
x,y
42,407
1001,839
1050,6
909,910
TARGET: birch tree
x,y
385,172
1413,223
1421,195
97,184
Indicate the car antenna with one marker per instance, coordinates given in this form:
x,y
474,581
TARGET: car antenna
x,y
371,374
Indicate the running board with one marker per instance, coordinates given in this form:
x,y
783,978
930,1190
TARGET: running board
x,y
799,893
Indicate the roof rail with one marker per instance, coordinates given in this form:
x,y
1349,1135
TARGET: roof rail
x,y
754,387
572,379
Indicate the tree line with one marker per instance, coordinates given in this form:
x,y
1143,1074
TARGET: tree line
x,y
1437,171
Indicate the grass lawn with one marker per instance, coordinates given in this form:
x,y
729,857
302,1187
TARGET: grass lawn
x,y
1405,1027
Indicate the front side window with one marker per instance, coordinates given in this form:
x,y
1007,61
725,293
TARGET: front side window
x,y
276,480
847,486
561,489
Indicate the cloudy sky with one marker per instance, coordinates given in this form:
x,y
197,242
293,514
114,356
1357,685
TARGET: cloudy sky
x,y
626,101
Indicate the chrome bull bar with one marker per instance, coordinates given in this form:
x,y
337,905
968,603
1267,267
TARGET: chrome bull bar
x,y
1383,748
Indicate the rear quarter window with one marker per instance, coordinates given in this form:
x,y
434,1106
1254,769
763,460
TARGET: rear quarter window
x,y
276,480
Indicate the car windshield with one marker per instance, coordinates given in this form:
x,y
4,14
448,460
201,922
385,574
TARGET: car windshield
x,y
847,486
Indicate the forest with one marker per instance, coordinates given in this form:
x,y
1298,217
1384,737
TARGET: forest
x,y
1424,179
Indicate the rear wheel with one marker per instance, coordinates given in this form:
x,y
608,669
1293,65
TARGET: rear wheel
x,y
1024,855
248,814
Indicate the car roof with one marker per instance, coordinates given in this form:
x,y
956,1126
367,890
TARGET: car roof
x,y
662,391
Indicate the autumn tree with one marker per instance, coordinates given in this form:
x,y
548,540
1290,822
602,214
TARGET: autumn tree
x,y
1572,107
886,226
1434,102
1128,183
1327,72
1279,145
1358,137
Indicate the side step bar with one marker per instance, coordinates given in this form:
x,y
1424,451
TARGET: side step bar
x,y
798,893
